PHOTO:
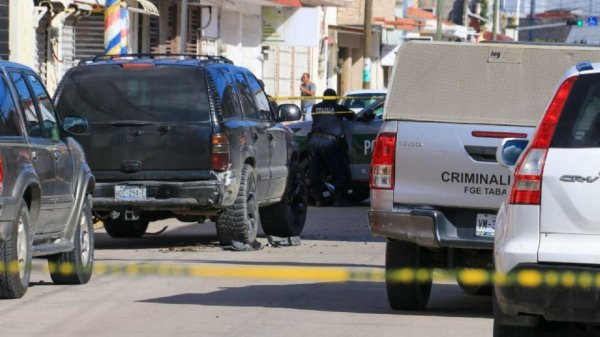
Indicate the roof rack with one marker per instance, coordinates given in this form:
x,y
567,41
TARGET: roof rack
x,y
210,58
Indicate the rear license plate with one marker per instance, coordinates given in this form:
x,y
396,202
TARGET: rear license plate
x,y
125,192
485,225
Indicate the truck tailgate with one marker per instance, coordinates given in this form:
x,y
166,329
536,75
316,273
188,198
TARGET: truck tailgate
x,y
451,165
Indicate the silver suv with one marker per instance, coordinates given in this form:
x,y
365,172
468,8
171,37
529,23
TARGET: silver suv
x,y
548,229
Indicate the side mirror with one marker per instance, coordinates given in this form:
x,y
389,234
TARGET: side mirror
x,y
77,126
367,116
509,151
289,113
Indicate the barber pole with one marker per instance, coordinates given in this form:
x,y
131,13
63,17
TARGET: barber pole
x,y
113,28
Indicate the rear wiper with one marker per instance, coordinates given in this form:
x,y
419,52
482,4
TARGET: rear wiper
x,y
131,123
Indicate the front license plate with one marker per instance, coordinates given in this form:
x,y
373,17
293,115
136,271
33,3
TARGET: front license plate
x,y
125,192
486,225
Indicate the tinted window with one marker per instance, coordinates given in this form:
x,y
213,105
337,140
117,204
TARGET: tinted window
x,y
246,96
26,101
230,105
46,108
579,124
9,125
260,98
162,93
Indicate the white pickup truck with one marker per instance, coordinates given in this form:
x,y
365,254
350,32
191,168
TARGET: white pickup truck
x,y
435,183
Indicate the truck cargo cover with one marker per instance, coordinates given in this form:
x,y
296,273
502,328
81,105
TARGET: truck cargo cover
x,y
503,84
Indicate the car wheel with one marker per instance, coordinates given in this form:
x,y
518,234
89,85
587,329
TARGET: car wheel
x,y
16,255
477,290
75,266
410,293
287,217
239,222
121,228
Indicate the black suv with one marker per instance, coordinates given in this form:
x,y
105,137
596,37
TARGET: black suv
x,y
185,136
45,187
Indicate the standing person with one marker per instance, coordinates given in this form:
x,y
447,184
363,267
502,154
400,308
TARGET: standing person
x,y
327,148
307,88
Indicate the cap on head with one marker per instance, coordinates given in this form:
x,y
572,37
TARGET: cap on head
x,y
329,92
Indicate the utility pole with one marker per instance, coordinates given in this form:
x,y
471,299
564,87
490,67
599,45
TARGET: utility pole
x,y
439,8
532,20
466,13
183,27
367,45
496,18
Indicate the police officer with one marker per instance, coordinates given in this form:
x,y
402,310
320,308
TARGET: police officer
x,y
327,150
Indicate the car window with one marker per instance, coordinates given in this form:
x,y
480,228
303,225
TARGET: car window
x,y
9,125
579,124
161,93
44,103
246,96
27,104
261,99
378,112
230,105
359,101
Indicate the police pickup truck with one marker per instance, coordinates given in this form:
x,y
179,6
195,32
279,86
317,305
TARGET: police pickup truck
x,y
360,135
435,183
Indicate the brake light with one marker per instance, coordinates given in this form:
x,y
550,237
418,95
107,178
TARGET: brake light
x,y
382,163
493,134
137,65
219,152
527,185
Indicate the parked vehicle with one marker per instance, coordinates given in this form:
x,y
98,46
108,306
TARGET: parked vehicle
x,y
550,223
360,135
356,100
187,137
435,183
45,187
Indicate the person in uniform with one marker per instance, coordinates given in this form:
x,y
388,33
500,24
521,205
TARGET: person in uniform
x,y
327,150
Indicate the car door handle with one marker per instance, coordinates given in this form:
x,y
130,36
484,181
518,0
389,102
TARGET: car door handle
x,y
254,137
34,156
56,155
270,137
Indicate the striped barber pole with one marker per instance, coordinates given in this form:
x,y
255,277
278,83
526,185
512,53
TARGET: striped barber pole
x,y
113,28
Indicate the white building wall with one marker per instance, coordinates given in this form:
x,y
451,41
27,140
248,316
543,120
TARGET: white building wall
x,y
22,27
241,33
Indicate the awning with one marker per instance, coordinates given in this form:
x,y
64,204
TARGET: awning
x,y
290,3
146,7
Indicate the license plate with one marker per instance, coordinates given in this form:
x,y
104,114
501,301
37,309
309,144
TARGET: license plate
x,y
125,192
486,225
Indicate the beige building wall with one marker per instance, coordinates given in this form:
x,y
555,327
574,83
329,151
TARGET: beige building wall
x,y
354,15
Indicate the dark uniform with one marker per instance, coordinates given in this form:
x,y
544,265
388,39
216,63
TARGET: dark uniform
x,y
327,150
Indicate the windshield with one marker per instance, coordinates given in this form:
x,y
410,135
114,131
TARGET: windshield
x,y
162,93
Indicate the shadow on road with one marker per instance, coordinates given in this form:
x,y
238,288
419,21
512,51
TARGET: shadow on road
x,y
353,297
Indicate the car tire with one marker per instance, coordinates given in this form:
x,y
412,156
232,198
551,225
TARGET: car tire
x,y
121,228
16,255
287,217
410,294
239,222
477,290
75,266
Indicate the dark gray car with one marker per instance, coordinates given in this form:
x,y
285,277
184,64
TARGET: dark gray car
x,y
189,137
45,187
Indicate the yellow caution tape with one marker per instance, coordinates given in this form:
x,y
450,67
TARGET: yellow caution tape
x,y
287,98
470,276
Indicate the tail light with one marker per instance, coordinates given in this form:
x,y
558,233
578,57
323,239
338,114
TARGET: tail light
x,y
219,151
527,185
382,163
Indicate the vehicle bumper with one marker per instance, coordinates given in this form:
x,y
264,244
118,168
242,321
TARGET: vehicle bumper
x,y
164,195
425,227
555,303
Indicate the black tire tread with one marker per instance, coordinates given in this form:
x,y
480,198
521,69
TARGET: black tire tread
x,y
120,228
82,273
412,295
232,222
287,217
11,286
